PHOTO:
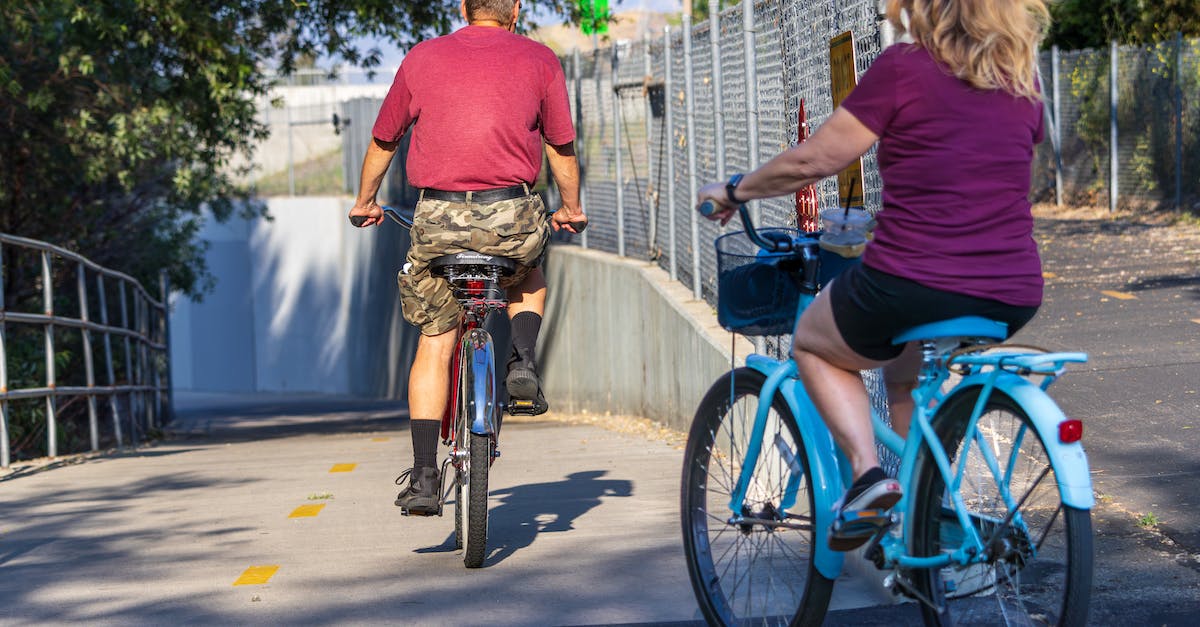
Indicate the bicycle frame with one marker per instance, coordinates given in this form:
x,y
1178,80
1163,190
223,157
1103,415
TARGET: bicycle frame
x,y
473,365
830,472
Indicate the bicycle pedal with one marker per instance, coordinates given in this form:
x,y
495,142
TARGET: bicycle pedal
x,y
518,407
404,511
863,523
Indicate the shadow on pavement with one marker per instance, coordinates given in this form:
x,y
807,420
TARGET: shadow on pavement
x,y
528,510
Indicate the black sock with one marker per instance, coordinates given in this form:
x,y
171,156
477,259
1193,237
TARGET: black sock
x,y
425,442
525,328
869,478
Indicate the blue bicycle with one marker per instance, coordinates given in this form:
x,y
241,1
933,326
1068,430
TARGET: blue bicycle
x,y
995,523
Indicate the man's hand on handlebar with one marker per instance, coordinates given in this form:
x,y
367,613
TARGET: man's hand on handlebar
x,y
571,221
369,214
714,193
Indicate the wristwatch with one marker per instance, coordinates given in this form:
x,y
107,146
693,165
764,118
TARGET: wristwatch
x,y
731,186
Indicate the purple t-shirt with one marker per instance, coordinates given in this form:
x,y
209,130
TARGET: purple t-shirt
x,y
479,100
955,162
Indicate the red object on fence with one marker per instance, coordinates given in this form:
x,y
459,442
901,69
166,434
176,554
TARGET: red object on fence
x,y
806,198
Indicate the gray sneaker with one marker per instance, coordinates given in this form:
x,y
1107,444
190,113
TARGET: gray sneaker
x,y
421,495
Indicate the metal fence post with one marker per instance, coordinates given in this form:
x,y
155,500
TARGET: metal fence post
x,y
580,150
887,34
165,320
108,362
4,454
714,37
89,368
1057,130
48,307
751,96
1178,119
689,86
669,154
133,428
1112,126
617,118
652,219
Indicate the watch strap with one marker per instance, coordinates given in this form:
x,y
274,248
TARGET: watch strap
x,y
731,186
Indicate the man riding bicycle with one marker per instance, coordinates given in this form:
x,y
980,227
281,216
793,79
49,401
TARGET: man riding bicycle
x,y
480,102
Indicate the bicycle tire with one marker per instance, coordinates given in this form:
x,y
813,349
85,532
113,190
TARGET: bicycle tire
x,y
475,497
458,515
762,575
1040,568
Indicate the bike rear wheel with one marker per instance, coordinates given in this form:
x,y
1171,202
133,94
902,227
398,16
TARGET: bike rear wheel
x,y
1039,566
761,571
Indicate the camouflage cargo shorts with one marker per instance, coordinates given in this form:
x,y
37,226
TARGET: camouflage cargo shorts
x,y
517,229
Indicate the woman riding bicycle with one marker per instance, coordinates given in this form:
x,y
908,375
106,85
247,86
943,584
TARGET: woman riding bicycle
x,y
956,114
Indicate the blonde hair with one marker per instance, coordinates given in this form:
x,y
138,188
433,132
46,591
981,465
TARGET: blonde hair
x,y
990,44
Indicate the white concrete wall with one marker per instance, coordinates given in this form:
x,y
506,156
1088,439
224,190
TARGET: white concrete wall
x,y
304,302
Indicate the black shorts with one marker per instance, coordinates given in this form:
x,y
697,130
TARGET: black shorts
x,y
871,307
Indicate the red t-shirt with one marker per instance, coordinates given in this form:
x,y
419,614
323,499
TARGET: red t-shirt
x,y
955,163
479,101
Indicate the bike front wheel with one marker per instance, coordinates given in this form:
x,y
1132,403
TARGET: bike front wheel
x,y
475,501
753,566
1038,566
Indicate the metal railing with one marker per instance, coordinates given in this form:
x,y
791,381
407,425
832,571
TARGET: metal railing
x,y
141,335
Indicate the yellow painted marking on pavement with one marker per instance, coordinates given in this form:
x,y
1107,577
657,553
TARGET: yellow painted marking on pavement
x,y
256,575
1049,275
304,511
380,439
343,467
1196,320
1119,295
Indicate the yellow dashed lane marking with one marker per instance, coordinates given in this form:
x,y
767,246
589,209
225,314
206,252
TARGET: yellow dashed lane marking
x,y
1119,295
256,575
1049,275
380,439
1196,320
343,467
304,511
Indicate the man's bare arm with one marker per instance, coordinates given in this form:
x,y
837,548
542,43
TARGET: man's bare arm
x,y
375,165
564,166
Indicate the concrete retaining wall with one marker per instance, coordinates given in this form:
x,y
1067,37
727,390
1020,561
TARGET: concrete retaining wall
x,y
621,337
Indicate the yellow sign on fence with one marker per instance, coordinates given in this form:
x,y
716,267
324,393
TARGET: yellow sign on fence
x,y
843,73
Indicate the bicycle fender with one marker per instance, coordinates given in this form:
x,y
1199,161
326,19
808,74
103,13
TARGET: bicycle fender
x,y
479,376
1068,459
819,449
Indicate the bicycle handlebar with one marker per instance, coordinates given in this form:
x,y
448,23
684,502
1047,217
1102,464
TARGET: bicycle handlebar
x,y
404,219
775,245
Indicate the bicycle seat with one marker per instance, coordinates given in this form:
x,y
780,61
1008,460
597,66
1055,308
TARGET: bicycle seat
x,y
439,265
966,326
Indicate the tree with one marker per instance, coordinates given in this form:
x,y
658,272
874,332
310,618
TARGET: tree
x,y
700,8
121,119
1078,24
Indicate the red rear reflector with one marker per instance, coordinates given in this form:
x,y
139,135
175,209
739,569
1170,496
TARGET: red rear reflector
x,y
474,287
1070,431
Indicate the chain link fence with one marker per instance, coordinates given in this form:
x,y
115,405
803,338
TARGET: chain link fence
x,y
661,116
1155,160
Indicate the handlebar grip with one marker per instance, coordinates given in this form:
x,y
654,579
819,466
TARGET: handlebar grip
x,y
707,208
358,220
579,226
